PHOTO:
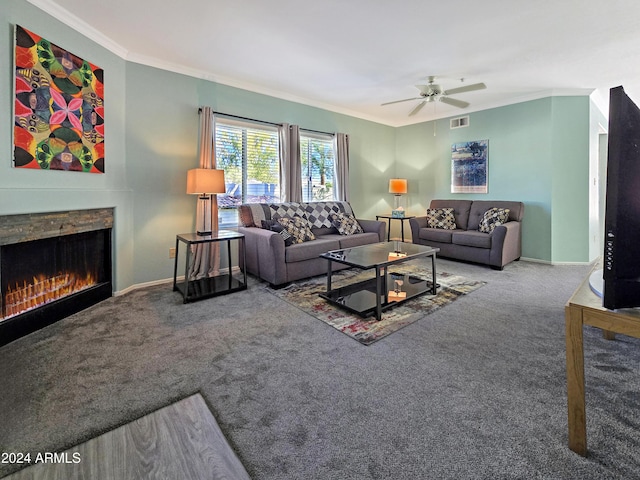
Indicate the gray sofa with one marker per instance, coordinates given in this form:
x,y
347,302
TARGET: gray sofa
x,y
498,248
269,259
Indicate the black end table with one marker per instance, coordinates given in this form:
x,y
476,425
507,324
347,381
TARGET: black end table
x,y
390,217
210,286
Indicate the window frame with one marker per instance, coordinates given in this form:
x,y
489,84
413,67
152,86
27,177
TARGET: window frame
x,y
228,219
307,177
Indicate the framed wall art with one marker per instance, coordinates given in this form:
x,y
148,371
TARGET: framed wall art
x,y
469,166
58,108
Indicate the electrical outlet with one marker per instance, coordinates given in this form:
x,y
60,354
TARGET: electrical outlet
x,y
172,253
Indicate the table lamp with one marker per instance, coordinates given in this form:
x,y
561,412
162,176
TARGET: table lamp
x,y
397,186
205,182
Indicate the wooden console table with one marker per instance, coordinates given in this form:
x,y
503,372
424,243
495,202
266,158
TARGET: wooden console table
x,y
585,308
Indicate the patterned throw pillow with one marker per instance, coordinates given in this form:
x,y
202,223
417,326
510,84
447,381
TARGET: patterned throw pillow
x,y
346,224
492,218
441,218
298,228
274,226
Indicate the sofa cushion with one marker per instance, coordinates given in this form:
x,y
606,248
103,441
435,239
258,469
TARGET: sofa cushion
x,y
492,218
299,252
346,224
471,238
319,232
436,235
299,228
442,218
355,240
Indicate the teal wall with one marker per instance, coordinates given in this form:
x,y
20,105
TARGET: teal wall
x,y
161,144
25,190
538,154
535,155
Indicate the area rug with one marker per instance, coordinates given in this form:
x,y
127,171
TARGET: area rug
x,y
304,294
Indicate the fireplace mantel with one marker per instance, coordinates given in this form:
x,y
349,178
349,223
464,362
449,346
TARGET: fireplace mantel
x,y
36,226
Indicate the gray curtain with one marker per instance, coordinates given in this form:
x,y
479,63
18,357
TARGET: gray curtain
x,y
341,147
290,165
205,257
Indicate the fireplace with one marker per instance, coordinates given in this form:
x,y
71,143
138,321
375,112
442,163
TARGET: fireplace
x,y
51,266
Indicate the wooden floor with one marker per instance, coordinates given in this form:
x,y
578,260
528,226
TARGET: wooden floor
x,y
181,441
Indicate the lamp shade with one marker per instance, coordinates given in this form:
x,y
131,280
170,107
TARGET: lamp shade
x,y
398,186
202,181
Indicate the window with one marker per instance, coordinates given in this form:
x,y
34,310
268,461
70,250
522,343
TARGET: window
x,y
318,159
248,154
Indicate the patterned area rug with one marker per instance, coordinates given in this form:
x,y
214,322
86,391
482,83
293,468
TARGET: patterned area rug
x,y
304,294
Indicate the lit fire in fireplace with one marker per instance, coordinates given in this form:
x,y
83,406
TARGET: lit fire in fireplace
x,y
20,298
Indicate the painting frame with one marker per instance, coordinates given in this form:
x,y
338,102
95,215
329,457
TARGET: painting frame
x,y
470,167
58,107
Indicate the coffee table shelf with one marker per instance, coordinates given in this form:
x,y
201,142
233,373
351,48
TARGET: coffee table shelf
x,y
360,297
376,294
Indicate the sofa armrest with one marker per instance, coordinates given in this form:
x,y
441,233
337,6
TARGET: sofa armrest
x,y
374,226
506,244
265,254
416,224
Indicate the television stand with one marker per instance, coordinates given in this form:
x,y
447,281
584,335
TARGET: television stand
x,y
585,308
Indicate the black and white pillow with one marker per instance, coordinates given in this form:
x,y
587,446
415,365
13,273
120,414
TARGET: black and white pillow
x,y
492,218
346,224
274,226
442,218
319,213
298,228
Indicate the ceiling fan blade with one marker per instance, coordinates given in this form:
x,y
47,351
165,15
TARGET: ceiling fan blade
x,y
454,102
466,88
418,108
399,101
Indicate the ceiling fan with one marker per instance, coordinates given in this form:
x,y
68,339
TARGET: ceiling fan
x,y
432,92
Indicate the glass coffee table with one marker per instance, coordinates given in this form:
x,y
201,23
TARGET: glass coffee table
x,y
386,289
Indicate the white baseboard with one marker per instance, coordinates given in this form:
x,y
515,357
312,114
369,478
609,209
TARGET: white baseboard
x,y
143,285
153,283
547,262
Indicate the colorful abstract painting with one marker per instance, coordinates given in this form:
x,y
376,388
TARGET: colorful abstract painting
x,y
59,108
469,162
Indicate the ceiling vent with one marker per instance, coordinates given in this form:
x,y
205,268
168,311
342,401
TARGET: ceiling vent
x,y
459,122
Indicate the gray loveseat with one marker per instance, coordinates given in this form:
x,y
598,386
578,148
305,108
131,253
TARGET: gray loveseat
x,y
465,242
269,259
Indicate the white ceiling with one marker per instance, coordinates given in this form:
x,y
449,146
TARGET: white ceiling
x,y
351,56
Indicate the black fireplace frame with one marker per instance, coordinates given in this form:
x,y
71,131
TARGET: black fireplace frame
x,y
17,326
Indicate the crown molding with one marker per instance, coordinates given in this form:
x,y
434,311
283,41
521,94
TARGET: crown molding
x,y
80,26
251,87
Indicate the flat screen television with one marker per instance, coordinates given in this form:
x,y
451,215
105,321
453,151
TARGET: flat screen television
x,y
621,259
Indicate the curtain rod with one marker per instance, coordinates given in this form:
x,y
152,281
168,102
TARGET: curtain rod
x,y
264,121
